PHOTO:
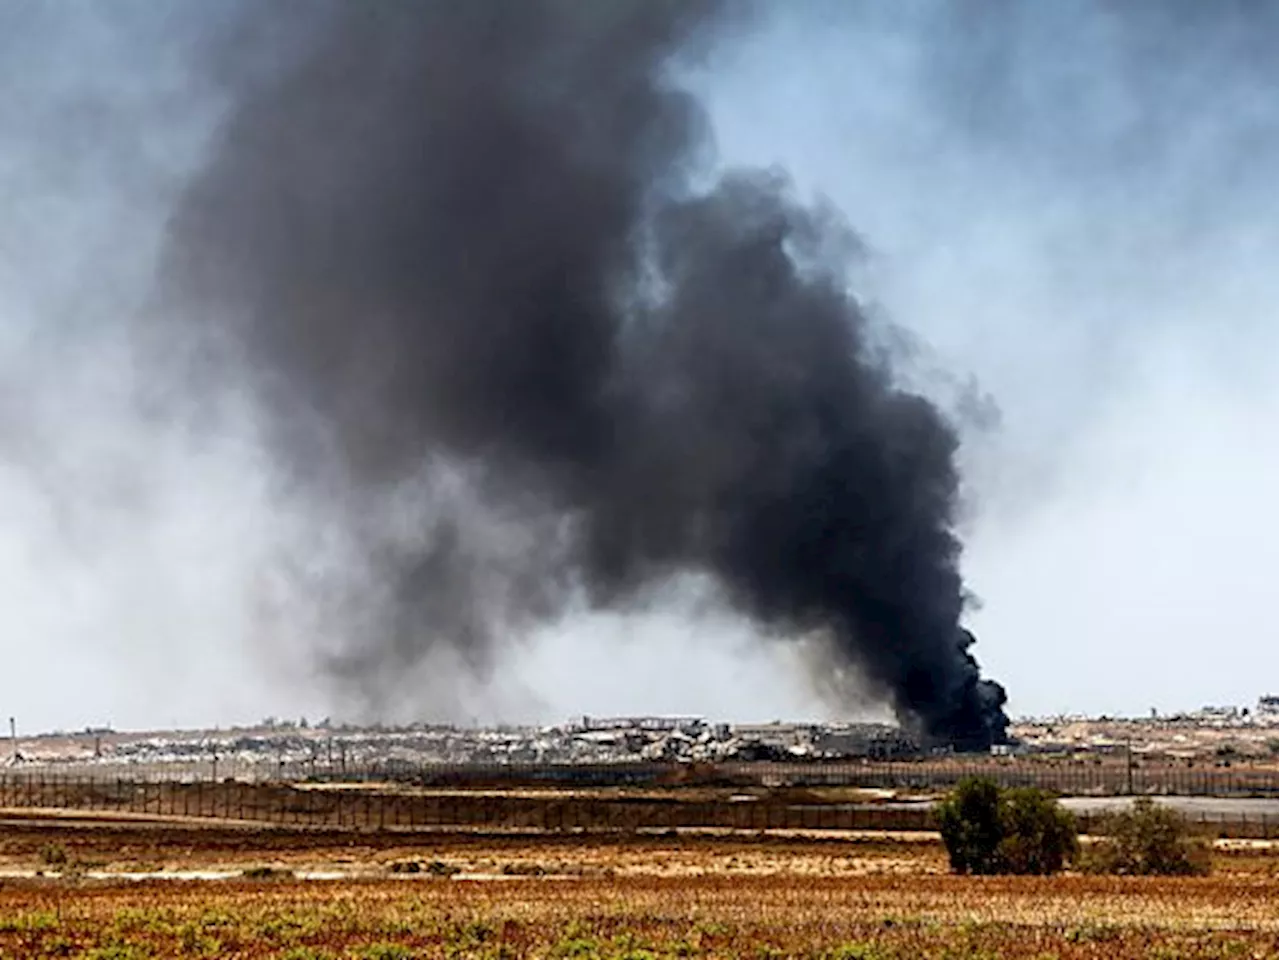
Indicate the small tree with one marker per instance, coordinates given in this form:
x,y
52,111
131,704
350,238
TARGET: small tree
x,y
989,830
1039,835
1148,839
969,820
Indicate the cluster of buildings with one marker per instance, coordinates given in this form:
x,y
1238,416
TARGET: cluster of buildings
x,y
1219,733
584,740
693,739
281,747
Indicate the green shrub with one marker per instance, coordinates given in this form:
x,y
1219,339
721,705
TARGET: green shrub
x,y
53,855
1039,836
988,830
1148,839
970,823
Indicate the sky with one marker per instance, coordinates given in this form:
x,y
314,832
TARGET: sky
x,y
1070,208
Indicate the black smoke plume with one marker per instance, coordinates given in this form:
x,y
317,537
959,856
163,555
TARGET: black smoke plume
x,y
472,239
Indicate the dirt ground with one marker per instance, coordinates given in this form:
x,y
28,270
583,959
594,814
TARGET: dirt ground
x,y
99,846
105,844
127,890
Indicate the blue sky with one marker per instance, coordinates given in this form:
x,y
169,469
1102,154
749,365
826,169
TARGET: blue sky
x,y
1074,205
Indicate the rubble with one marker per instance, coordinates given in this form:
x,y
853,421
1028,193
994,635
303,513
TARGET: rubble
x,y
584,740
274,747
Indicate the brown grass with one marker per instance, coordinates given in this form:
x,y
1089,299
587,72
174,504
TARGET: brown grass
x,y
710,916
658,897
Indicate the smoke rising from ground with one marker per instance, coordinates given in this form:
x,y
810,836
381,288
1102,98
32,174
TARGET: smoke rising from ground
x,y
461,252
1075,202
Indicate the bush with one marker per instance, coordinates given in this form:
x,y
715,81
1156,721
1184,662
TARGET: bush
x,y
988,830
1148,839
53,855
970,823
1039,836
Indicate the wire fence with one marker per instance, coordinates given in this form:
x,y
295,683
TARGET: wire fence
x,y
1107,778
388,806
1081,779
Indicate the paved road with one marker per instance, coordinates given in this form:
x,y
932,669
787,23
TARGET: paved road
x,y
1209,807
1197,808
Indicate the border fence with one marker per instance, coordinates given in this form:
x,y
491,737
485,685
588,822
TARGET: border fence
x,y
380,804
1078,778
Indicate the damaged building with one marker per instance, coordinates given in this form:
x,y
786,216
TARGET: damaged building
x,y
581,741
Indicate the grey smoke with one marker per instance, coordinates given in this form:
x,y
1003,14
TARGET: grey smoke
x,y
1075,202
471,237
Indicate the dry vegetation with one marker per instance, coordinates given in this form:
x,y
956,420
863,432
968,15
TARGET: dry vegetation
x,y
490,897
882,916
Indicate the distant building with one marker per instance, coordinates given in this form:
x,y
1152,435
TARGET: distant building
x,y
865,740
1219,713
651,724
1269,705
780,734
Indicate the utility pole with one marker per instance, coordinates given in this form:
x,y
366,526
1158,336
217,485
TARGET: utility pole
x,y
13,737
1128,764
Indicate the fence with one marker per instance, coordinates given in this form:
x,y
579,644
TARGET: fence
x,y
1080,779
384,806
1113,778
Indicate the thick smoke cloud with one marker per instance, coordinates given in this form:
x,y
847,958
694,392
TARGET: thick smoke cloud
x,y
1076,202
514,353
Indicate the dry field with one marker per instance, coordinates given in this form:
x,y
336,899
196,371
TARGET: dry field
x,y
336,894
